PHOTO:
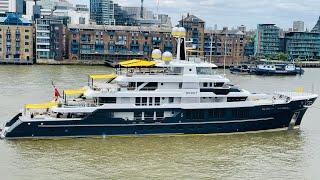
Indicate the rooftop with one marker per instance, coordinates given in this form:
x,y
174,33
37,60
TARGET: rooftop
x,y
191,18
14,19
120,28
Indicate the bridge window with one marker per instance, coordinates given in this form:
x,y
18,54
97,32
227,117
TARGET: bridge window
x,y
236,99
205,71
218,84
151,86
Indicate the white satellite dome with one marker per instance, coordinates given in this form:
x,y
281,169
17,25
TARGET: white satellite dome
x,y
175,32
156,54
167,56
182,31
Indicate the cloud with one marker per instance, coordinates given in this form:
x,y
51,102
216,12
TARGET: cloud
x,y
234,12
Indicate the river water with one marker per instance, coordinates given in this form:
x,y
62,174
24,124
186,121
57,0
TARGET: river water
x,y
270,155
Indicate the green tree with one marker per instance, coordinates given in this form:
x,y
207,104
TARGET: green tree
x,y
282,56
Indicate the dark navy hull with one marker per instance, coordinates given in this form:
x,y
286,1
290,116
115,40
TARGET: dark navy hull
x,y
298,71
205,121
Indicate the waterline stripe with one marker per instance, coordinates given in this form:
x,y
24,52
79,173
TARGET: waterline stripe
x,y
156,124
147,135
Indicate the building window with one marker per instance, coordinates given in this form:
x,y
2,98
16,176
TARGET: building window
x,y
26,50
171,100
27,30
26,43
26,37
82,20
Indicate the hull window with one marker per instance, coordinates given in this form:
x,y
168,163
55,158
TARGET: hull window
x,y
194,114
242,113
216,113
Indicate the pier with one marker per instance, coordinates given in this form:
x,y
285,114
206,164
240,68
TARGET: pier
x,y
309,64
16,61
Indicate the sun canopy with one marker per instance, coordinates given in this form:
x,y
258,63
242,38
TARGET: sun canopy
x,y
137,63
41,106
74,91
103,76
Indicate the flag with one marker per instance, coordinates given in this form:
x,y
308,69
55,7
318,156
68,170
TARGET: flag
x,y
56,91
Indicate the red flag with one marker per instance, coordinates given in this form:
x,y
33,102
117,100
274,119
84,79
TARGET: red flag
x,y
56,91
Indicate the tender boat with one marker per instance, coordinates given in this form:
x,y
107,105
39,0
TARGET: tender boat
x,y
164,96
241,69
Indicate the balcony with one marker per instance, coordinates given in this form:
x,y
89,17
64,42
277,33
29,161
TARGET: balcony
x,y
121,43
134,45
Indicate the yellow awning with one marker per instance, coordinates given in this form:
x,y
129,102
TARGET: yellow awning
x,y
137,63
124,63
103,76
41,106
74,91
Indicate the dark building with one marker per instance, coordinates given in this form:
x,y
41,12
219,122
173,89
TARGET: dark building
x,y
316,28
58,41
303,45
249,50
115,43
226,45
50,37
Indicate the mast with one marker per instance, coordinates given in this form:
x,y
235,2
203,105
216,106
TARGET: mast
x,y
211,42
225,54
141,10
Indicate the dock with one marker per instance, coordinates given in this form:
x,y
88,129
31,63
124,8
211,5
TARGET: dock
x,y
309,64
16,61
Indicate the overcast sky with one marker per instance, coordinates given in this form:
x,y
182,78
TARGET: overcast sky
x,y
233,13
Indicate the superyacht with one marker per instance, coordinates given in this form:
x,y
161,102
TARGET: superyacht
x,y
181,95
